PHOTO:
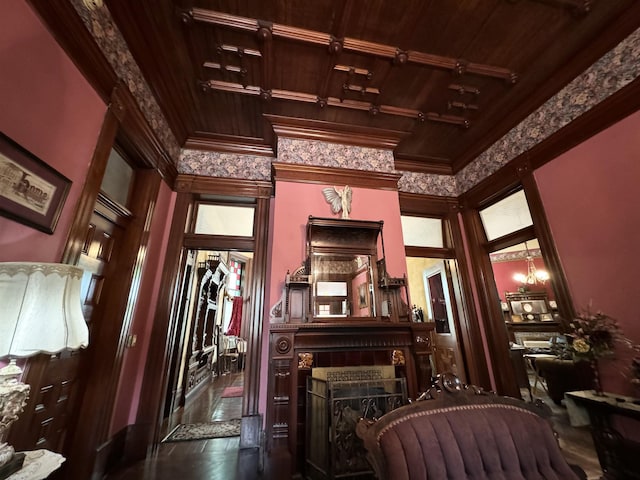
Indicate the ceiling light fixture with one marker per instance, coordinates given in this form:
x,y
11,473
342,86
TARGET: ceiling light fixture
x,y
533,276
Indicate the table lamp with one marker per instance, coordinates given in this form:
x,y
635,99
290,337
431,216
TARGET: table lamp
x,y
40,312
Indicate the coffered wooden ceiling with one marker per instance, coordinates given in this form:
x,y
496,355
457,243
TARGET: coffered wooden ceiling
x,y
439,80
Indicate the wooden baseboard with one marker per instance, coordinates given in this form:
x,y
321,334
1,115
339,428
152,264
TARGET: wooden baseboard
x,y
109,454
251,432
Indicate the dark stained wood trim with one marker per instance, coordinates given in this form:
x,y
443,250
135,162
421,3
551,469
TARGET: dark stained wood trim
x,y
293,172
429,252
468,328
426,205
495,332
221,143
469,334
222,186
547,245
352,44
87,201
107,354
437,166
141,139
510,239
218,242
335,132
250,406
154,383
500,124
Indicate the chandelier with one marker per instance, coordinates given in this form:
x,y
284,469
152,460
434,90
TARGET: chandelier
x,y
533,276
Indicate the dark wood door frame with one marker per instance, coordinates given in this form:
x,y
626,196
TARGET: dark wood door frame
x,y
162,343
468,327
513,176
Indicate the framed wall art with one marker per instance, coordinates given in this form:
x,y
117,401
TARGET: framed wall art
x,y
31,192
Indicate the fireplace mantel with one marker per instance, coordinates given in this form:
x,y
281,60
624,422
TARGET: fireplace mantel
x,y
297,348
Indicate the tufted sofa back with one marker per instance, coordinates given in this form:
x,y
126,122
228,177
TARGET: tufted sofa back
x,y
475,442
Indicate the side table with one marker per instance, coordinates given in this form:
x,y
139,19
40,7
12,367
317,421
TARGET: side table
x,y
38,464
619,456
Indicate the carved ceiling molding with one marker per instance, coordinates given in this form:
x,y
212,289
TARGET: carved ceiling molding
x,y
287,172
608,75
335,133
372,108
265,31
456,65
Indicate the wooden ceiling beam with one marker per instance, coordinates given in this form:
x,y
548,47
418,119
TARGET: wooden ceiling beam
x,y
458,66
373,109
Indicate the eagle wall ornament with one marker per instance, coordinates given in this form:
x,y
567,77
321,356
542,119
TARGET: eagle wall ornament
x,y
340,200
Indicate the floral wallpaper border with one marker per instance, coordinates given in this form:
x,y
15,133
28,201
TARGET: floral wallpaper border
x,y
613,71
104,31
610,73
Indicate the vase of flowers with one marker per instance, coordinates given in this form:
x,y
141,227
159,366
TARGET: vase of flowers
x,y
592,336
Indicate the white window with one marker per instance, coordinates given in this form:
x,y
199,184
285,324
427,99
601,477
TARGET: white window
x,y
422,232
224,220
506,216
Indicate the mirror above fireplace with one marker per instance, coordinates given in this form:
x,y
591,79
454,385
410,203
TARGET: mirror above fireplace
x,y
342,286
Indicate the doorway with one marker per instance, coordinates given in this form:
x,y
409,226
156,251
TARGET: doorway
x,y
435,299
210,356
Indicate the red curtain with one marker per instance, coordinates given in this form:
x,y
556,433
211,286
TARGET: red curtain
x,y
236,317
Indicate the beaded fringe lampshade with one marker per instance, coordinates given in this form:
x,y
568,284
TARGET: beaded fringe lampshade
x,y
41,313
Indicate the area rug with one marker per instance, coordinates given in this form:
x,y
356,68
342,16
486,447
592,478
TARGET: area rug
x,y
202,431
232,392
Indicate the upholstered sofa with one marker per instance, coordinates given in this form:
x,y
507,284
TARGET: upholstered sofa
x,y
458,432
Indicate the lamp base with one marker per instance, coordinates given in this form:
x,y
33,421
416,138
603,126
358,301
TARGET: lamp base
x,y
12,466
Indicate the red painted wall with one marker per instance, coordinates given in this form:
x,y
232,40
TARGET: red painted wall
x,y
50,109
293,204
590,196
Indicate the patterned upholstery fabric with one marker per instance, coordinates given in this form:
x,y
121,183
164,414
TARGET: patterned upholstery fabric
x,y
474,442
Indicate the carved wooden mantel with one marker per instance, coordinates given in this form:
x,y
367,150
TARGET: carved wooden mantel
x,y
297,348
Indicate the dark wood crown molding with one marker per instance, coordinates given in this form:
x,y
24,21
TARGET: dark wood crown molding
x,y
226,144
222,186
293,172
423,164
335,132
420,204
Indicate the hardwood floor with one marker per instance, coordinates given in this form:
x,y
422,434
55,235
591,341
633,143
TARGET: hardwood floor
x,y
221,458
217,458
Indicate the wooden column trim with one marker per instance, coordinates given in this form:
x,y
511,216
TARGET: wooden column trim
x,y
87,201
106,353
547,245
495,331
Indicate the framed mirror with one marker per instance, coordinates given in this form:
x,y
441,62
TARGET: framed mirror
x,y
342,286
343,256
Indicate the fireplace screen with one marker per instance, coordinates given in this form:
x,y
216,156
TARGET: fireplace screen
x,y
335,403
